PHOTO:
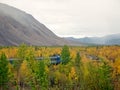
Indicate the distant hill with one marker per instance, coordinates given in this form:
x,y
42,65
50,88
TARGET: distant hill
x,y
113,39
18,27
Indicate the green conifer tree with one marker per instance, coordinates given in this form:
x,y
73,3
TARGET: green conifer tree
x,y
42,76
4,78
77,59
105,76
65,54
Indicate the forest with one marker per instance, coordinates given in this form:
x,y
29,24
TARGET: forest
x,y
81,68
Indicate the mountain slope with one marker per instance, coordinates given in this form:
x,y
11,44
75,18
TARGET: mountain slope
x,y
18,27
113,39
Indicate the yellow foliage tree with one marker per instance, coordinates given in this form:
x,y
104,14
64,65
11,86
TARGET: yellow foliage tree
x,y
72,74
25,73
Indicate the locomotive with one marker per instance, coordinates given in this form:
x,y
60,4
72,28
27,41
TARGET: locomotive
x,y
55,59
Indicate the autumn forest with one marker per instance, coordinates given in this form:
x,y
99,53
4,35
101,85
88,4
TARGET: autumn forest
x,y
81,68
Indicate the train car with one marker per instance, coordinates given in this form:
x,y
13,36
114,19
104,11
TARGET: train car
x,y
12,60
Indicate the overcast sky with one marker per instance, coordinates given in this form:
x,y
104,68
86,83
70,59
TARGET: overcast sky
x,y
76,18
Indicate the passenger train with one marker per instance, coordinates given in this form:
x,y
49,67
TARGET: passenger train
x,y
54,59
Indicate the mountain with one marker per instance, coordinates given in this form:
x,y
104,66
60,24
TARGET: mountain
x,y
18,27
113,39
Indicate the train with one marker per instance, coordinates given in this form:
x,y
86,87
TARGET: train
x,y
54,59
